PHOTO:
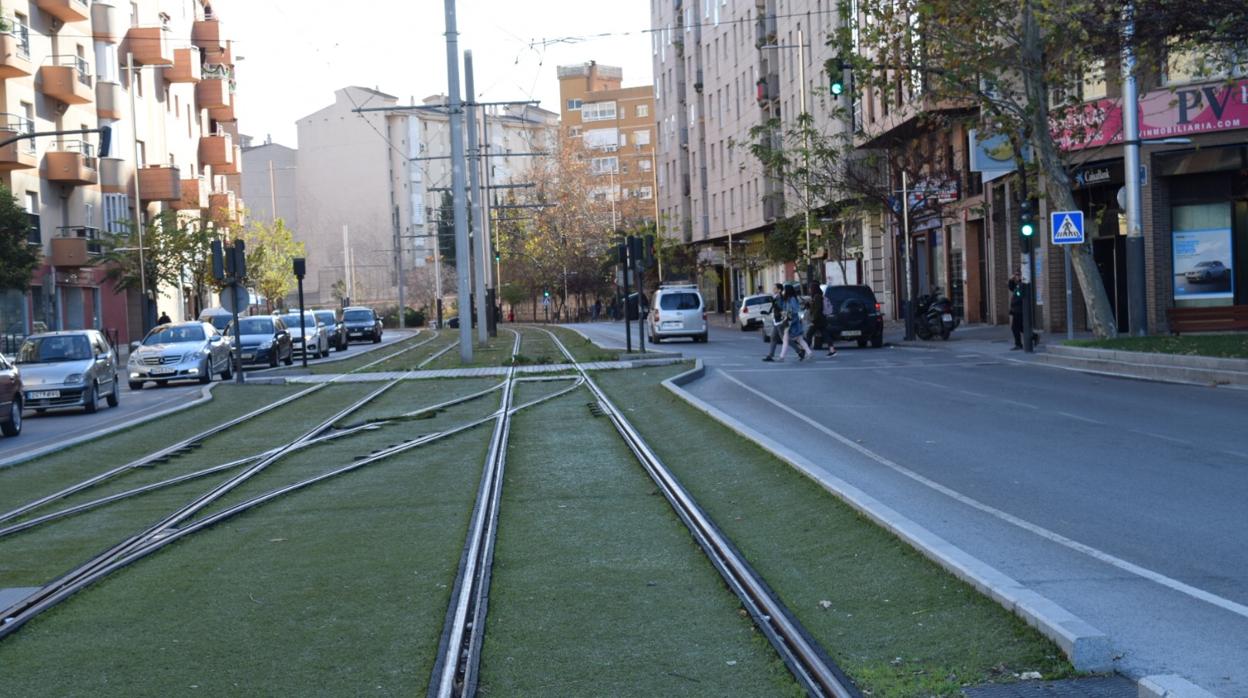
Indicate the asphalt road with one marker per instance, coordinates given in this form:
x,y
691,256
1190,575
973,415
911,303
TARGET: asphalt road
x,y
40,431
1121,500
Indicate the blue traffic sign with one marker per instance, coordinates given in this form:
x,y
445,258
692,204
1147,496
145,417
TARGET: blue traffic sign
x,y
1066,227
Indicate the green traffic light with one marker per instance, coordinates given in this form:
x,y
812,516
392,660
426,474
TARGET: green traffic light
x,y
1028,229
838,88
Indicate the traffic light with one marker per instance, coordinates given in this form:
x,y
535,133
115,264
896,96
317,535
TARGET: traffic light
x,y
545,293
836,76
1026,219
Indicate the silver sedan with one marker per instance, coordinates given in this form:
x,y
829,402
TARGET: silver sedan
x,y
74,368
179,351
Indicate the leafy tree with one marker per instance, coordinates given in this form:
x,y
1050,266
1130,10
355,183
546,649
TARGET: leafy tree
x,y
446,229
270,249
17,258
1006,60
170,245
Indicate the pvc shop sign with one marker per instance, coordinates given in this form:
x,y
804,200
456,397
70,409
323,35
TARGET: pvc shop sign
x,y
1187,111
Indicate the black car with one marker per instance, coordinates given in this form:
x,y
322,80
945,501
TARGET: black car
x,y
335,328
265,340
857,315
362,324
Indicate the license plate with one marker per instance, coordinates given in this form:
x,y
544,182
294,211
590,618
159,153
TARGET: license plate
x,y
669,325
163,371
946,317
44,394
248,357
852,333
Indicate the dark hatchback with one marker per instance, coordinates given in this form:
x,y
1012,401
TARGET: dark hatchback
x,y
265,340
857,315
362,324
334,327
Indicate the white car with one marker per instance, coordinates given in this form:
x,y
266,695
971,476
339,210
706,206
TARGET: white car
x,y
753,312
677,311
317,335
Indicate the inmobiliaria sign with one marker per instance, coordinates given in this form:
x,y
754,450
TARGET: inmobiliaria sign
x,y
1185,111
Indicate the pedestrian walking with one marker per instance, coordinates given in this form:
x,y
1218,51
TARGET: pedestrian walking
x,y
597,311
163,319
794,330
1016,311
815,315
829,314
777,315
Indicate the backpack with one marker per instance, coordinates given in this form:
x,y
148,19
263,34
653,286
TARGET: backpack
x,y
829,309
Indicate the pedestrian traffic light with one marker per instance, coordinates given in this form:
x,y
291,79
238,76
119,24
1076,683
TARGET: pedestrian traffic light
x,y
545,293
1026,219
836,76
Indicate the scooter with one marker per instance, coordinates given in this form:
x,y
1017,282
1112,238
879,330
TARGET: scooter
x,y
934,316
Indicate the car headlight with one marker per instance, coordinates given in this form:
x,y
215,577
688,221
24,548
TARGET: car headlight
x,y
73,379
192,356
266,344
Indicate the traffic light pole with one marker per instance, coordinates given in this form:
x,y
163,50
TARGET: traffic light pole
x,y
1028,242
628,323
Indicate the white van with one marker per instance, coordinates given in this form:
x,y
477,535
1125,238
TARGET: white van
x,y
677,311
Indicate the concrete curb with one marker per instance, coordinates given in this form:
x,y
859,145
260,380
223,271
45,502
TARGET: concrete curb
x,y
1087,648
1148,367
205,395
1170,686
587,338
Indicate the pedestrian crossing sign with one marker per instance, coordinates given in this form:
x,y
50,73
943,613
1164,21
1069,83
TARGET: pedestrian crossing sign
x,y
1066,227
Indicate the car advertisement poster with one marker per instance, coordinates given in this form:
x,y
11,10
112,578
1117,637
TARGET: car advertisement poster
x,y
1202,265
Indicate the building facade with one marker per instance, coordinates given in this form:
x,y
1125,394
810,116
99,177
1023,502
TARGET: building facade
x,y
270,188
614,125
70,64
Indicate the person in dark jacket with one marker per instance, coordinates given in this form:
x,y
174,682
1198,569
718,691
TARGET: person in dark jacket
x,y
1016,311
777,315
815,314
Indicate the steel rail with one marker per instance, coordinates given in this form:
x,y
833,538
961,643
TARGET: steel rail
x,y
806,659
459,648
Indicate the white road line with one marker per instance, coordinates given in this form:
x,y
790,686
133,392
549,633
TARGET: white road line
x,y
1163,437
827,360
1080,418
1150,575
1016,403
972,393
1238,454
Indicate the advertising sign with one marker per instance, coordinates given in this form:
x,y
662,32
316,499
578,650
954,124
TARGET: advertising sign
x,y
1202,260
1163,114
994,155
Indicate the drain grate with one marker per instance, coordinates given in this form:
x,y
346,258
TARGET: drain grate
x,y
595,409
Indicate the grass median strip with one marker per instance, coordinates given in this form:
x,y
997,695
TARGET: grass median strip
x,y
894,621
1226,346
597,587
340,589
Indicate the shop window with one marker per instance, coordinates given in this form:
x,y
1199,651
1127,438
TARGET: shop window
x,y
1202,245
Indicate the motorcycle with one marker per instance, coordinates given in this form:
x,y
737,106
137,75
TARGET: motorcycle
x,y
934,316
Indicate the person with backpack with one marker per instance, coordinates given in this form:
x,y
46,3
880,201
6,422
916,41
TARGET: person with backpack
x,y
793,329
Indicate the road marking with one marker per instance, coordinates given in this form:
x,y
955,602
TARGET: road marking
x,y
1238,454
1163,437
848,368
1156,577
1016,403
1089,420
972,393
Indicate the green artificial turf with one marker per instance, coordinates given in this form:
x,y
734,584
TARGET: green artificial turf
x,y
893,620
597,587
408,359
340,589
1227,346
584,350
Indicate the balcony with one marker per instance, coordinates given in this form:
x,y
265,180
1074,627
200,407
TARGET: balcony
x,y
72,162
76,246
107,22
116,176
160,183
234,167
20,155
110,100
186,66
206,34
66,10
222,208
224,114
15,51
148,46
67,79
216,151
212,92
220,58
194,195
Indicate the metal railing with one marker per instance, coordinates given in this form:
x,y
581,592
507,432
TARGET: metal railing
x,y
86,148
19,31
16,123
78,63
91,234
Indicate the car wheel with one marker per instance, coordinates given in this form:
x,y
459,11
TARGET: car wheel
x,y
13,425
290,357
273,358
205,374
745,328
90,397
877,341
114,395
228,372
377,339
703,337
136,385
862,344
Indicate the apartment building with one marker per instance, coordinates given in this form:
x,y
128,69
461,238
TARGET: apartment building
x,y
720,70
371,182
270,187
65,65
615,126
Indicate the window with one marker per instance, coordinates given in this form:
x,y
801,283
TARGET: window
x,y
645,192
1094,86
35,233
142,147
643,110
641,137
574,104
598,111
643,165
607,165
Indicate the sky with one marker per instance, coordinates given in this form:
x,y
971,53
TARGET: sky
x,y
291,55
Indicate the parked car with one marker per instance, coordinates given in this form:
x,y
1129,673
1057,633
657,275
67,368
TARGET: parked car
x,y
264,340
10,398
219,318
362,323
72,368
334,327
311,337
179,351
1208,271
678,311
753,308
857,315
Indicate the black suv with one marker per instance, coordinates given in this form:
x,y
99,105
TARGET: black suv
x,y
362,323
857,315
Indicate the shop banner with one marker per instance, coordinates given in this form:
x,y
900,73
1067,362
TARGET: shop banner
x,y
1164,113
1202,260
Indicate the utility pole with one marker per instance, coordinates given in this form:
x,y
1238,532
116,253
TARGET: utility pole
x,y
462,250
905,223
397,232
138,208
487,241
801,79
474,177
1136,307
